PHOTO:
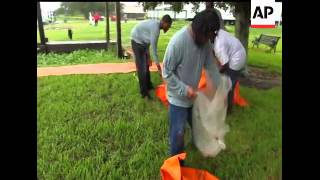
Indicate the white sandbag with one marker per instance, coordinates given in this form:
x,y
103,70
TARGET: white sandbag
x,y
208,120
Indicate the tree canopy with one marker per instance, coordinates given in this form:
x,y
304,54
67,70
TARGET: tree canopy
x,y
241,11
72,8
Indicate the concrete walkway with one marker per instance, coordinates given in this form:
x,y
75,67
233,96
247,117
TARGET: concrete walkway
x,y
102,68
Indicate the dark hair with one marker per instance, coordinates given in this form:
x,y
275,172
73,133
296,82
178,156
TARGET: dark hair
x,y
166,18
205,22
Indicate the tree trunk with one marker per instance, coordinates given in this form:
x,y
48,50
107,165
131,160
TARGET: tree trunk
x,y
174,16
242,15
119,46
107,24
40,24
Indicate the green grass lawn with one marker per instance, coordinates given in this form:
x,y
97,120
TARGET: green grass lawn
x,y
78,57
98,127
83,31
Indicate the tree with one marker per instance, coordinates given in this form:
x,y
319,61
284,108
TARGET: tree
x,y
242,14
149,5
119,44
195,7
241,11
60,11
176,7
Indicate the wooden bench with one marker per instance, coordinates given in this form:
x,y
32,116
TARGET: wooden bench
x,y
268,40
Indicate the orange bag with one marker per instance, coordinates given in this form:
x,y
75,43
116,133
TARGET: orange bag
x,y
161,93
203,80
237,99
171,170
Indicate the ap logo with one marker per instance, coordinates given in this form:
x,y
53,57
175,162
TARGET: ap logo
x,y
263,13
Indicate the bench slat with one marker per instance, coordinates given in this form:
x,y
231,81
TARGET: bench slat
x,y
271,41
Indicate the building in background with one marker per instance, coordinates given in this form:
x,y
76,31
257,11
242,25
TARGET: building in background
x,y
278,13
47,11
133,10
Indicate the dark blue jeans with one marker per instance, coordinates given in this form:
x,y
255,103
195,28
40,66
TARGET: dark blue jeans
x,y
178,116
142,66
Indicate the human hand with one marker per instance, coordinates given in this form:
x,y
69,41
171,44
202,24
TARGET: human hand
x,y
191,93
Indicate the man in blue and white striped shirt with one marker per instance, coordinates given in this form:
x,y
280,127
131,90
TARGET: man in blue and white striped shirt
x,y
143,35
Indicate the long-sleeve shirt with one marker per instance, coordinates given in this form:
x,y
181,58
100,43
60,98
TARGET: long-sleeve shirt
x,y
228,49
182,66
147,33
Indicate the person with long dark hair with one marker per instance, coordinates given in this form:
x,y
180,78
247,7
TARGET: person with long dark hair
x,y
187,53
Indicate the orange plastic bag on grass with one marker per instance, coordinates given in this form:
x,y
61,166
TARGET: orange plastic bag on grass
x,y
237,99
171,170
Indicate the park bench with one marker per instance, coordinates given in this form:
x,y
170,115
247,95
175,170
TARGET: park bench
x,y
268,40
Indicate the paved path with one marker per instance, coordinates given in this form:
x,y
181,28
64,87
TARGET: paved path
x,y
102,68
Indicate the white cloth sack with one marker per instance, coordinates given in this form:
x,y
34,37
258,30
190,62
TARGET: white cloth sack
x,y
208,119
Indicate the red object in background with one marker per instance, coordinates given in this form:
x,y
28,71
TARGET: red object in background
x,y
96,16
113,18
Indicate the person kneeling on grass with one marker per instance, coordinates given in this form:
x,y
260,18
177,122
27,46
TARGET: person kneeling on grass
x,y
142,35
231,56
187,53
